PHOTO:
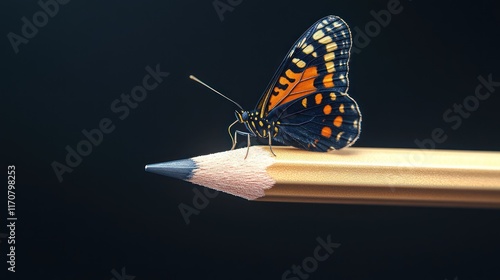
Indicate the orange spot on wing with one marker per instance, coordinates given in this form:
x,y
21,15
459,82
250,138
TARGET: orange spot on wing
x,y
328,80
337,121
327,109
326,132
318,98
283,81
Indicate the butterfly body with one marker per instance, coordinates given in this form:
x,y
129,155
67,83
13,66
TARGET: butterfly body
x,y
257,126
306,104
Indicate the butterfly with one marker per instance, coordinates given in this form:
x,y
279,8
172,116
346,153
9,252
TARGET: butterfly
x,y
306,104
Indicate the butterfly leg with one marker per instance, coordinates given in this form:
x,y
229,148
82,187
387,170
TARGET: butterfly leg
x,y
270,146
236,140
248,145
233,140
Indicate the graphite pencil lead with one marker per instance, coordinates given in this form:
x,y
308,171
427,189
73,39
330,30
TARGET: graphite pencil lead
x,y
179,169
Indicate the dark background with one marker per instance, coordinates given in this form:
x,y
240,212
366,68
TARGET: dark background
x,y
109,214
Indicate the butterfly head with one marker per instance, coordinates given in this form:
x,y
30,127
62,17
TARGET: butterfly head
x,y
241,116
251,121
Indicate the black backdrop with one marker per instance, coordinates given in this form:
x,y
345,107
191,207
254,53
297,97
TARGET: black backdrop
x,y
109,219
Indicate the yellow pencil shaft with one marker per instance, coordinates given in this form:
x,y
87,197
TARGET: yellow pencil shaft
x,y
386,176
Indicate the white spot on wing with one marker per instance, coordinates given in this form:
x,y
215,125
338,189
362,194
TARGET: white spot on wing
x,y
339,135
331,47
299,63
330,67
329,56
309,49
318,35
325,40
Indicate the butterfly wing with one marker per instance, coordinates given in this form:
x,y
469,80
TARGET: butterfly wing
x,y
318,60
321,121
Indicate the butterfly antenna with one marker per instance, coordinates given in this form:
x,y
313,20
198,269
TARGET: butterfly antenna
x,y
199,81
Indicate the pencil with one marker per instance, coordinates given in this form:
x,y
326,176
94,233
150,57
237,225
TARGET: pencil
x,y
376,176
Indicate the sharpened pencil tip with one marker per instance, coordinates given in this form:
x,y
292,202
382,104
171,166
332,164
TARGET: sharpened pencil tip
x,y
179,169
